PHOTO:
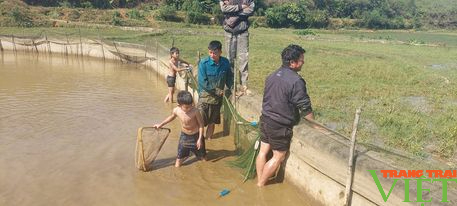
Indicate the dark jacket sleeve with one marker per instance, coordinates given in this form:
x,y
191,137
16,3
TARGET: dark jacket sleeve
x,y
300,98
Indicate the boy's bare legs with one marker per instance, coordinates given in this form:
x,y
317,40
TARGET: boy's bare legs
x,y
209,131
178,162
270,167
169,96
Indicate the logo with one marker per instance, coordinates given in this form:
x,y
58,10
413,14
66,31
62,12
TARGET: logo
x,y
442,177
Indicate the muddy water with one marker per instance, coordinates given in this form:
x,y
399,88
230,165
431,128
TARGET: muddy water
x,y
67,137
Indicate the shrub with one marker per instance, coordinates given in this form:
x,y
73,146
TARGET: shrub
x,y
305,32
197,18
166,13
217,14
87,4
74,15
318,18
258,21
276,17
134,14
375,20
193,6
20,18
116,20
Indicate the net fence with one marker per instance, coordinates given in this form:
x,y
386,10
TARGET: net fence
x,y
246,134
149,140
72,43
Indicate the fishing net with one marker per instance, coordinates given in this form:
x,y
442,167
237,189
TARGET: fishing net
x,y
148,144
246,135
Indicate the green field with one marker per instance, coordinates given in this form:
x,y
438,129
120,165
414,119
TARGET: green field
x,y
405,81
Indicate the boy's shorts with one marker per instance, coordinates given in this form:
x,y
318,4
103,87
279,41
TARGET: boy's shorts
x,y
275,134
171,81
211,113
188,143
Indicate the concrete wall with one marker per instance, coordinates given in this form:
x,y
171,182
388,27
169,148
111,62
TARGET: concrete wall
x,y
317,162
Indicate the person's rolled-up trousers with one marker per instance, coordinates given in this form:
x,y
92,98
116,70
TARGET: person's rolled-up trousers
x,y
238,44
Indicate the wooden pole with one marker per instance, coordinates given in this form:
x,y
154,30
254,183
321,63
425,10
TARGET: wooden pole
x,y
1,46
350,171
157,60
101,44
48,43
36,48
68,42
80,43
14,45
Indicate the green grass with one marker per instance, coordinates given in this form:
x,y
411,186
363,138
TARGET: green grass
x,y
407,92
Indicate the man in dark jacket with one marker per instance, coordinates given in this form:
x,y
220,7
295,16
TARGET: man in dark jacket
x,y
236,25
285,101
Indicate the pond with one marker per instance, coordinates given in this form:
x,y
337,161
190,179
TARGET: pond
x,y
68,132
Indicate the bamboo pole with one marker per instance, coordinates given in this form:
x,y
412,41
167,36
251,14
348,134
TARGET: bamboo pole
x,y
68,42
80,42
14,44
157,61
350,171
117,50
101,44
49,44
196,69
36,48
103,51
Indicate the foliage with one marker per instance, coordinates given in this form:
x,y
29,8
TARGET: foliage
x,y
166,13
194,6
374,14
276,17
197,18
20,18
116,20
74,15
295,15
135,14
305,32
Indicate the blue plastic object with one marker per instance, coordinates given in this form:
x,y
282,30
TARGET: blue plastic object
x,y
254,123
224,192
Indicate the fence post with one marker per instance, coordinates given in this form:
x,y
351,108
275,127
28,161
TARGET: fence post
x,y
36,48
80,43
66,49
48,43
14,44
157,61
350,172
1,46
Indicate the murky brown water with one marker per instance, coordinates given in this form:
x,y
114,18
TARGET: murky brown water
x,y
67,137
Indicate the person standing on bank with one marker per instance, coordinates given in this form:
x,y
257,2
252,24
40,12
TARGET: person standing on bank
x,y
214,74
236,25
285,101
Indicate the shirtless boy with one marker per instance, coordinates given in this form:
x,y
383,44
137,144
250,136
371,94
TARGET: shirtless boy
x,y
191,137
174,67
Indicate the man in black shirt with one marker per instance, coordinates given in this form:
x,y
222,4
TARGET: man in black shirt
x,y
285,101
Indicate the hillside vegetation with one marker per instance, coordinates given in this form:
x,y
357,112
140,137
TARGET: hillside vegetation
x,y
373,14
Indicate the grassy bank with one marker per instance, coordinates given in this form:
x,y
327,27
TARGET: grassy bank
x,y
405,81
